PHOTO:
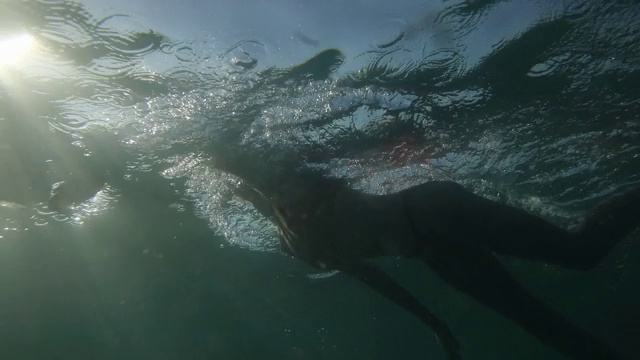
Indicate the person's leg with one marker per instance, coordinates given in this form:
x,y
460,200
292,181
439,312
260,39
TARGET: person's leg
x,y
479,274
388,287
445,211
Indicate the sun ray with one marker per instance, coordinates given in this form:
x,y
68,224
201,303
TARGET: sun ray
x,y
15,48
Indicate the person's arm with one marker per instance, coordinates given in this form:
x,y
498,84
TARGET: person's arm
x,y
389,288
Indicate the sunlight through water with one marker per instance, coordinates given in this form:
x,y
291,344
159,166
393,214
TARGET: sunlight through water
x,y
15,48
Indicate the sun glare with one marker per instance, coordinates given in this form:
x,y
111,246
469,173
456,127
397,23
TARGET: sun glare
x,y
13,49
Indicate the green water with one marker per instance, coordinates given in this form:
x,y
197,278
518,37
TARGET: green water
x,y
531,104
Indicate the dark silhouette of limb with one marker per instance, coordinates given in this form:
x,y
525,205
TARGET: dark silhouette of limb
x,y
445,211
479,274
389,288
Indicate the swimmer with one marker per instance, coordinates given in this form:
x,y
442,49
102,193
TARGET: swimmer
x,y
456,233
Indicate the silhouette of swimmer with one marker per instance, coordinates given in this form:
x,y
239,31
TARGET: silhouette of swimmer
x,y
325,223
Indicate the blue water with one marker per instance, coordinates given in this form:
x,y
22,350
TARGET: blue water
x,y
531,103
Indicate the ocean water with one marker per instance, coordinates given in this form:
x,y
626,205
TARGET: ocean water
x,y
532,103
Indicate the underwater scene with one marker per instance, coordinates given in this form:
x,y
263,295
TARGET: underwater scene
x,y
296,179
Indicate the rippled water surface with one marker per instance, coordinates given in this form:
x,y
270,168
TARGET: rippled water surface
x,y
533,103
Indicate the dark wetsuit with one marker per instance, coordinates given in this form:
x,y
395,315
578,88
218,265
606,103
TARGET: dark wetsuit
x,y
455,232
458,233
446,211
